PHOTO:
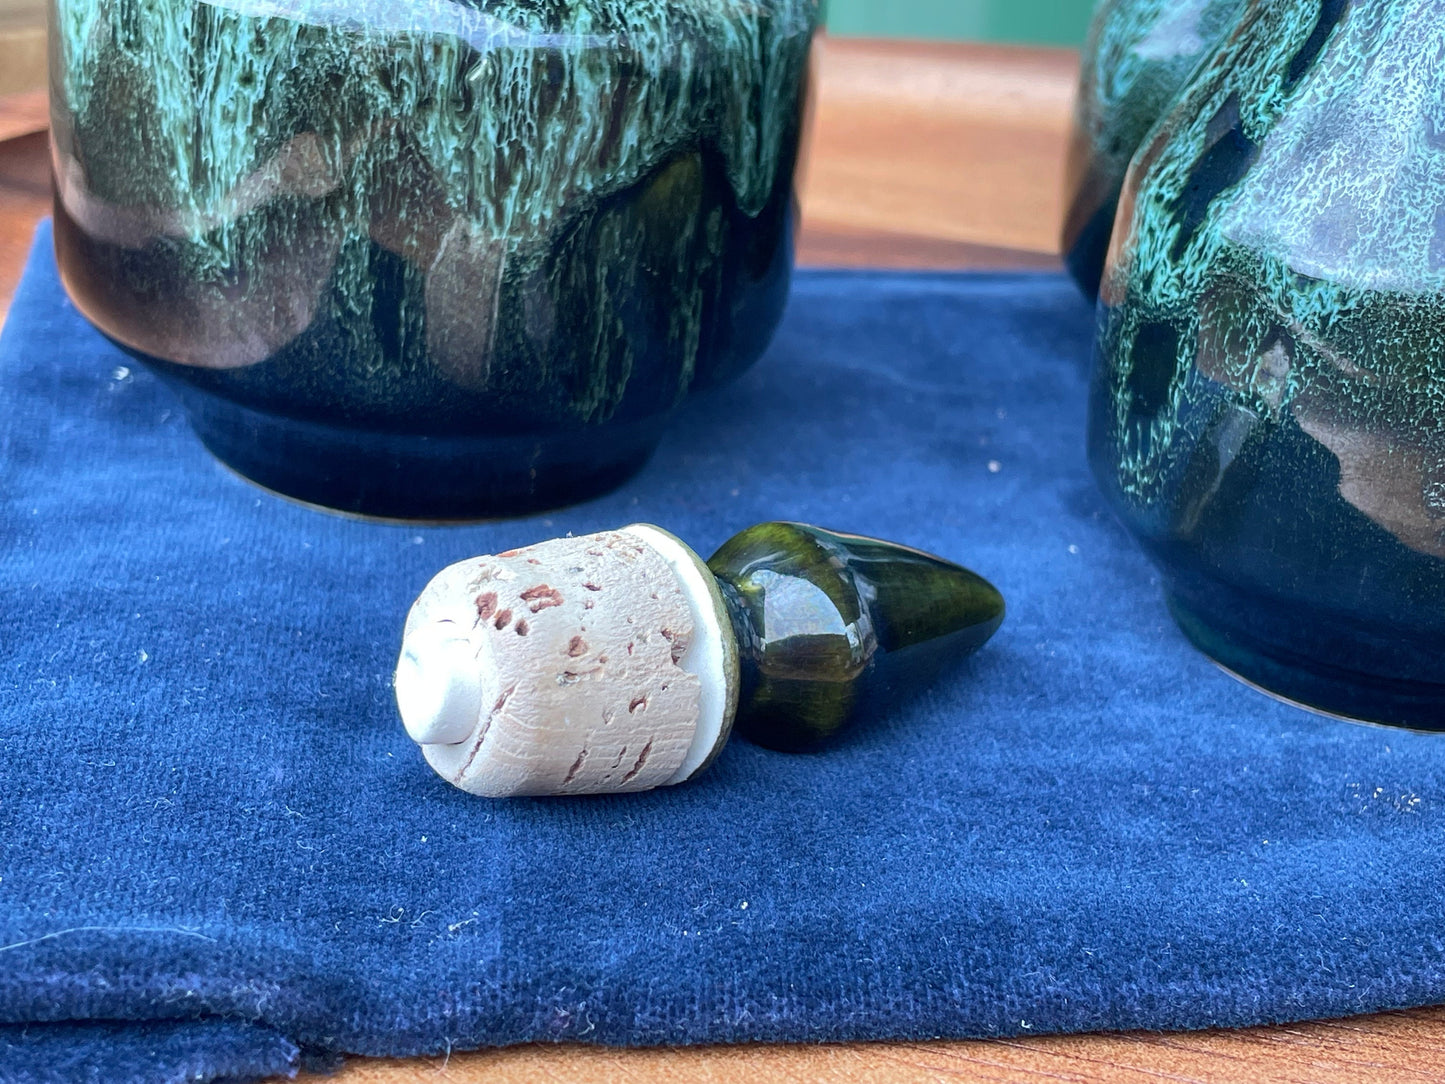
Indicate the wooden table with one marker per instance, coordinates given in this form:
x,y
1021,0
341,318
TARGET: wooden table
x,y
936,156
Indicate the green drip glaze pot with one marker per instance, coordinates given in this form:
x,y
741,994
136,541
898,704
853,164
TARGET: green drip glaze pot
x,y
430,258
1268,408
1138,56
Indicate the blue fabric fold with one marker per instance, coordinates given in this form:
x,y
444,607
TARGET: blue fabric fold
x,y
219,848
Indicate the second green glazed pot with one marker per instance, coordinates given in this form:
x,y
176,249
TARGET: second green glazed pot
x,y
1268,408
430,259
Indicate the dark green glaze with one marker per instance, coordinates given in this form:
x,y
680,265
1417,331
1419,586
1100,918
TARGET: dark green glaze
x,y
411,240
1138,56
1268,409
824,620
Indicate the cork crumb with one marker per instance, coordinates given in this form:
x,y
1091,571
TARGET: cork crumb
x,y
638,704
486,605
576,767
482,732
679,644
591,586
523,628
541,597
576,647
503,620
641,760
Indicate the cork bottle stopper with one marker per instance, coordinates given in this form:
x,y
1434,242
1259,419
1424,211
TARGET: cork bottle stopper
x,y
599,664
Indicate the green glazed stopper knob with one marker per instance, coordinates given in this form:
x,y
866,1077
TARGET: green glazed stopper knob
x,y
620,661
823,620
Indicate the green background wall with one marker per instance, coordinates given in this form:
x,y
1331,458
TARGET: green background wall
x,y
1034,22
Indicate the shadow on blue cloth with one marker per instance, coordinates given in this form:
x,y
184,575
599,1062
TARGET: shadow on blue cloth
x,y
210,818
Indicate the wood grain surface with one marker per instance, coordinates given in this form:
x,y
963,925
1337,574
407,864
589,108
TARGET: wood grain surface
x,y
24,201
1390,1048
931,156
936,155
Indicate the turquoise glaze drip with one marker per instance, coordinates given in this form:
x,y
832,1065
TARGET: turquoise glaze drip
x,y
1138,56
484,94
1268,412
504,220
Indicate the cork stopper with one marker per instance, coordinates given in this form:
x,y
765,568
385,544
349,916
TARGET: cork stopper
x,y
599,664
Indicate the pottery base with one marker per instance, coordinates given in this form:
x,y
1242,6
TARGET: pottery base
x,y
415,477
1304,656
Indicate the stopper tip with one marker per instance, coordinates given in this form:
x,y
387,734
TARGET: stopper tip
x,y
438,688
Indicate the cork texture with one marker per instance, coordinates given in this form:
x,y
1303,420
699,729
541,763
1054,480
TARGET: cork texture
x,y
578,647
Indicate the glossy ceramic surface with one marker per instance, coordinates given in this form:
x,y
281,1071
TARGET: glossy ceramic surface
x,y
434,258
827,621
1268,410
1138,56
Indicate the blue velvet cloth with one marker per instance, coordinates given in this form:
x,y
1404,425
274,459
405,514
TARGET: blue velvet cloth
x,y
220,854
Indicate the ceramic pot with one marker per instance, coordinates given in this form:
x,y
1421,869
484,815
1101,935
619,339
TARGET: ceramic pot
x,y
430,259
1268,408
1138,56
